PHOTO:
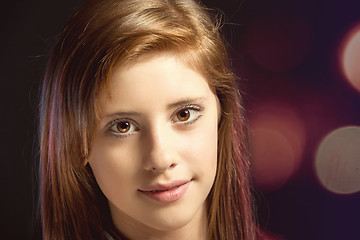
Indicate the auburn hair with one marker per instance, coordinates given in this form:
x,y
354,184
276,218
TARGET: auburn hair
x,y
100,35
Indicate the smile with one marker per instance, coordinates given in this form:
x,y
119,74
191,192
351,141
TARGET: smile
x,y
166,192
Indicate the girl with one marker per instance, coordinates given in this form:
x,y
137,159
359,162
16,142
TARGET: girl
x,y
142,133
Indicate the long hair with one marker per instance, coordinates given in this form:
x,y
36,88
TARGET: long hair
x,y
101,34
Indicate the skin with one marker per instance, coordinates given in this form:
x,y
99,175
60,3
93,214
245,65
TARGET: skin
x,y
158,125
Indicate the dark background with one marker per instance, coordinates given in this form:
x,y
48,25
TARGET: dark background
x,y
299,209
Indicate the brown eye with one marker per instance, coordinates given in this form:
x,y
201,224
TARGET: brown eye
x,y
123,127
183,115
187,115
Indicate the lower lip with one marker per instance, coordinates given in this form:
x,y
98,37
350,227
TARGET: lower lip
x,y
169,195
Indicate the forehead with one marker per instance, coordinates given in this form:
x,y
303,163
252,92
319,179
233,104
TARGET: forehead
x,y
154,79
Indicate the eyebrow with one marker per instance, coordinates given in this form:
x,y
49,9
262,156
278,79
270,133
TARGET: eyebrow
x,y
119,114
170,106
184,102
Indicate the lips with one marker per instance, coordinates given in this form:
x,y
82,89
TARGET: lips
x,y
168,192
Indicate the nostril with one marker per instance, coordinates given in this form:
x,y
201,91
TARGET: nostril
x,y
159,168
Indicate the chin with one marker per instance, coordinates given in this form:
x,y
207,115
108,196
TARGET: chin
x,y
169,222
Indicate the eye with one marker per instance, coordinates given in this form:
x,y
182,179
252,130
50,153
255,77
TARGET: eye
x,y
187,114
123,127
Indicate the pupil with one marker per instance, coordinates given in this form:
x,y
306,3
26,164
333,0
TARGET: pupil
x,y
124,126
184,115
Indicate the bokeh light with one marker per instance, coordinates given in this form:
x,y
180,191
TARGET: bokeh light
x,y
351,57
277,144
274,159
337,161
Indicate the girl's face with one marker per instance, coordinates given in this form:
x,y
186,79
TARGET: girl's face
x,y
154,153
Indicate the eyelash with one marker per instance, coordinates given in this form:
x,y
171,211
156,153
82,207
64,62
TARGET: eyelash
x,y
191,108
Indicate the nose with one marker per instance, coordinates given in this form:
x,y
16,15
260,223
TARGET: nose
x,y
160,155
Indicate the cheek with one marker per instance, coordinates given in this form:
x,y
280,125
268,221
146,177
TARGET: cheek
x,y
112,167
204,143
201,148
